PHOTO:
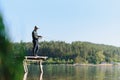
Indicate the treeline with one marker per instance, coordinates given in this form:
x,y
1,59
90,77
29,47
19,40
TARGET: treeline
x,y
75,52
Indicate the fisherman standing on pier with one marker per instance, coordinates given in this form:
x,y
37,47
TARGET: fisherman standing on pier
x,y
35,38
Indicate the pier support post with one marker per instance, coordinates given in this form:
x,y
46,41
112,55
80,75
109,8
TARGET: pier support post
x,y
41,66
32,59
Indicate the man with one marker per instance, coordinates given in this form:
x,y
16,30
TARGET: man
x,y
35,38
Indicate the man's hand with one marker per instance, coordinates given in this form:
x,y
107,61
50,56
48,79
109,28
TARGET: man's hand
x,y
40,36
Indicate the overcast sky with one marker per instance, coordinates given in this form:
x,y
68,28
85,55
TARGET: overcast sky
x,y
96,21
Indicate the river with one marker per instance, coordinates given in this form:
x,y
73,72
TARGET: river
x,y
70,72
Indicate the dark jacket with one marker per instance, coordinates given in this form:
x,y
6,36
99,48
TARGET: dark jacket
x,y
34,35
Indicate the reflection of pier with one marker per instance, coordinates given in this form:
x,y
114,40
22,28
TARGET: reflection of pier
x,y
25,76
33,59
40,78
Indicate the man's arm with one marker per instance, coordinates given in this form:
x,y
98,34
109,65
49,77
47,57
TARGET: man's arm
x,y
39,36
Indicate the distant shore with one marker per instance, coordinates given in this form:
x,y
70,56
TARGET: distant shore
x,y
107,64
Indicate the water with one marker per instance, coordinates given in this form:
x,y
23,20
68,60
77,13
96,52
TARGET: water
x,y
70,72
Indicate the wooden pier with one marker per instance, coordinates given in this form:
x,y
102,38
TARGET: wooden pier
x,y
33,59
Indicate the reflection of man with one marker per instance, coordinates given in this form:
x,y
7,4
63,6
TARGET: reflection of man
x,y
35,38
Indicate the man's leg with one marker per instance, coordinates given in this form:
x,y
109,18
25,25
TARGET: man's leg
x,y
34,44
37,47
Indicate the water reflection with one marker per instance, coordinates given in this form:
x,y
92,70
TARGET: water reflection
x,y
41,76
34,73
70,72
26,75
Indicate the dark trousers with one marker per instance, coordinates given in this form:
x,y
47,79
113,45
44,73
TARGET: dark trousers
x,y
35,47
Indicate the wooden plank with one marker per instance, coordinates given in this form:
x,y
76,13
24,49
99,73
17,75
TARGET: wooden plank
x,y
36,57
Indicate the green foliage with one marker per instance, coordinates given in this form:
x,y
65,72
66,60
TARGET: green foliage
x,y
10,65
80,60
5,72
76,52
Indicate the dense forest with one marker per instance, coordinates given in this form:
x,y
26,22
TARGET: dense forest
x,y
75,52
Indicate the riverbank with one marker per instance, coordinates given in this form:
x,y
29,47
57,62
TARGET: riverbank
x,y
106,64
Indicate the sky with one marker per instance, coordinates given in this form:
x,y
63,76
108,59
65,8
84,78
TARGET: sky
x,y
96,21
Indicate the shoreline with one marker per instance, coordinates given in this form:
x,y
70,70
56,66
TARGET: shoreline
x,y
107,64
78,64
